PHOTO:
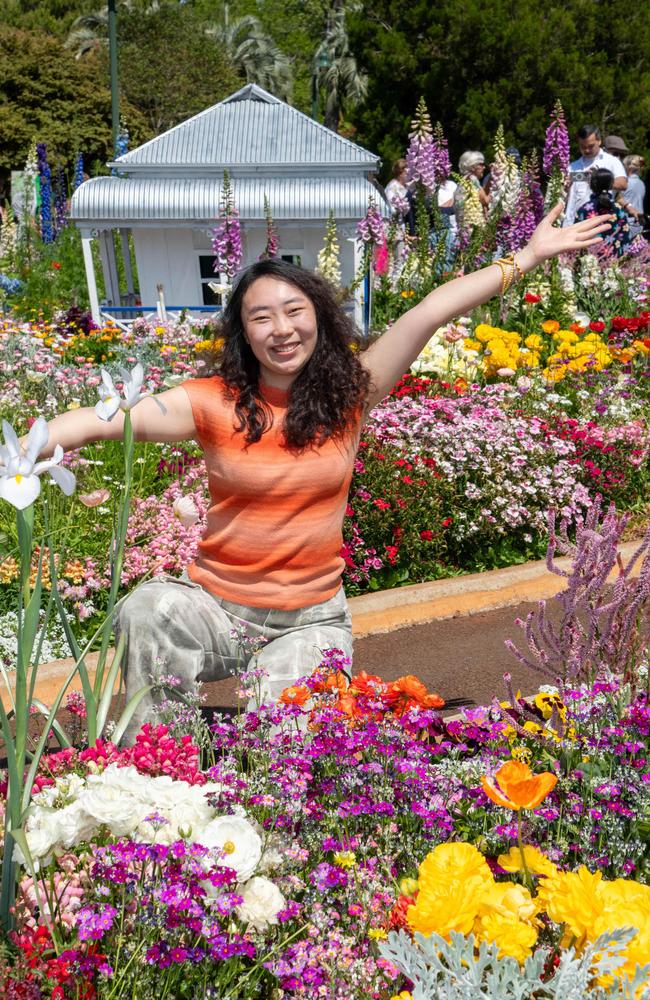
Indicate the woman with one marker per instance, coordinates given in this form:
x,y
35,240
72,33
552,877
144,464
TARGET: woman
x,y
631,200
619,237
471,199
279,426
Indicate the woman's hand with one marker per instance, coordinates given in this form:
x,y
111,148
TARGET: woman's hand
x,y
549,241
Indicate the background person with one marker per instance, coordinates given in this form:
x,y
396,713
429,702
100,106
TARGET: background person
x,y
632,199
279,425
592,156
619,237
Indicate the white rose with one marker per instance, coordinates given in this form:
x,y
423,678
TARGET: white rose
x,y
262,903
238,844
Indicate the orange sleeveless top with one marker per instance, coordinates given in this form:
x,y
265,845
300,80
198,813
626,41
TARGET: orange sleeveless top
x,y
274,528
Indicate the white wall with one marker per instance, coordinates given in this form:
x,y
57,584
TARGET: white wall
x,y
171,256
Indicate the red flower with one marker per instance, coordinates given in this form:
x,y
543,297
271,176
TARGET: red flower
x,y
56,265
529,297
447,521
597,327
426,536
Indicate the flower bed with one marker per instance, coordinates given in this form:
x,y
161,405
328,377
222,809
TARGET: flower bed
x,y
278,871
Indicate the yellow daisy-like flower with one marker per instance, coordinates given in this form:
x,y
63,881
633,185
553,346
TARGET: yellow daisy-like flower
x,y
345,859
536,862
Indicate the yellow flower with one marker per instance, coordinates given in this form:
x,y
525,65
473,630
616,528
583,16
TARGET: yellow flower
x,y
377,933
483,332
408,886
472,345
534,341
566,336
550,326
574,899
404,995
345,859
546,701
452,862
508,899
537,863
512,937
554,373
453,907
8,570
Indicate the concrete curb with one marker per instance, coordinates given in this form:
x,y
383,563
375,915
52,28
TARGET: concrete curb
x,y
388,610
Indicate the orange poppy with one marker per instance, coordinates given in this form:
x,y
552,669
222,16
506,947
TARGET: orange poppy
x,y
297,694
409,692
514,786
550,326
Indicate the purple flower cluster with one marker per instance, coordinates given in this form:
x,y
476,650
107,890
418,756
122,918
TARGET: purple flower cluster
x,y
226,237
371,228
556,145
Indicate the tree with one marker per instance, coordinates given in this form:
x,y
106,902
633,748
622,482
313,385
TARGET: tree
x,y
253,53
46,94
168,67
336,69
479,64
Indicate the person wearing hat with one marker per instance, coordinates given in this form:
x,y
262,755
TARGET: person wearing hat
x,y
633,199
471,167
615,145
593,157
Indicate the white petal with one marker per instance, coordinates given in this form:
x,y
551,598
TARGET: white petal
x,y
11,439
20,494
106,409
65,479
36,439
108,381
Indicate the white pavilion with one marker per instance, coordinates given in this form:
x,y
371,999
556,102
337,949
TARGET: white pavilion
x,y
167,194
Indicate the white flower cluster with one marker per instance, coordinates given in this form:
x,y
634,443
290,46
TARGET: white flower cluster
x,y
154,809
445,354
53,643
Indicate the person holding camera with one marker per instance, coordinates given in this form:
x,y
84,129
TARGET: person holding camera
x,y
632,200
592,157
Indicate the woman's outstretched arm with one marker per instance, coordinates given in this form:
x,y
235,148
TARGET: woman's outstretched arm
x,y
166,417
396,350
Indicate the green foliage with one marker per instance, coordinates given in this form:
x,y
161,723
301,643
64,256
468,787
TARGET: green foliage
x,y
46,94
478,65
169,69
455,970
53,276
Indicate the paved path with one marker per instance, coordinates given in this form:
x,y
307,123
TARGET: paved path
x,y
462,658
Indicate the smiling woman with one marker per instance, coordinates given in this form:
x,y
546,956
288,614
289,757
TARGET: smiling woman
x,y
279,425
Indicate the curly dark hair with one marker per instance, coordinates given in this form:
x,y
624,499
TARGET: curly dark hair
x,y
331,386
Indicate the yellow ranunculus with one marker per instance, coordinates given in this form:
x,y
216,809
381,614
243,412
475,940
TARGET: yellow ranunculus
x,y
537,863
452,906
574,899
472,345
534,341
550,326
452,863
512,937
554,373
508,899
566,336
483,332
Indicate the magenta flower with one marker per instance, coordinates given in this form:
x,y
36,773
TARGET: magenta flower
x,y
226,237
556,146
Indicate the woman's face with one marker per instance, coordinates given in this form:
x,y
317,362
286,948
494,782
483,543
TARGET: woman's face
x,y
280,325
478,170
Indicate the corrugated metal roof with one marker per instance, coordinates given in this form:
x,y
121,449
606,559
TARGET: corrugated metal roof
x,y
251,127
176,199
